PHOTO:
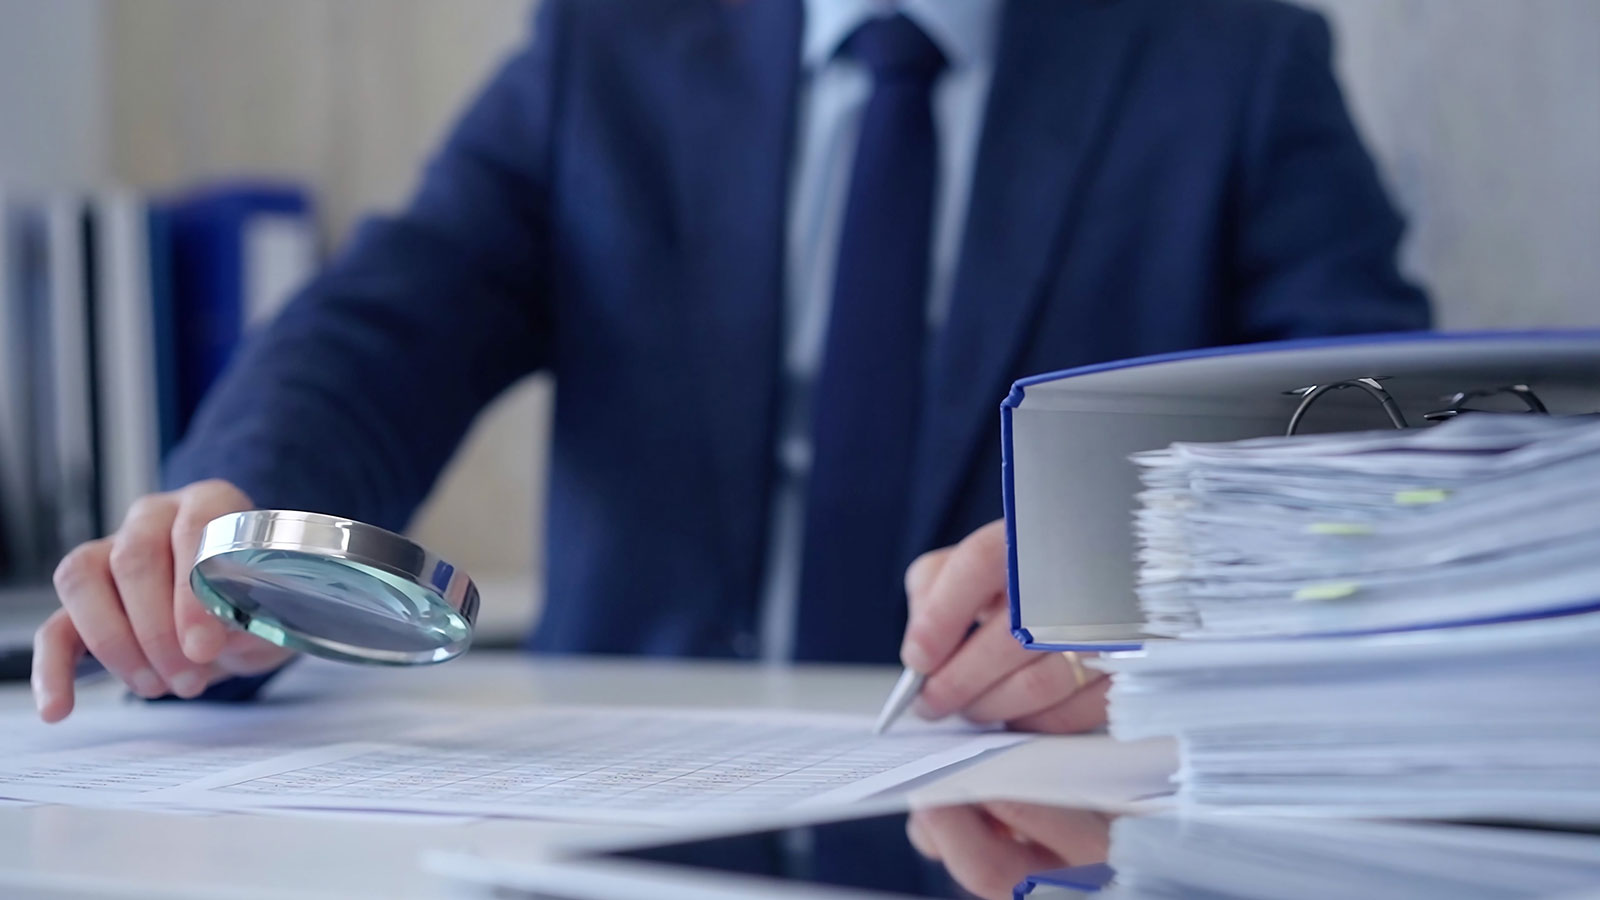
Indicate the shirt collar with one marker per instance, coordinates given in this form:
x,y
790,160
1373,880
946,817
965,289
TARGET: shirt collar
x,y
963,29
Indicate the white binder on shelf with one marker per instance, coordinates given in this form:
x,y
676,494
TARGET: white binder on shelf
x,y
127,369
1069,488
68,449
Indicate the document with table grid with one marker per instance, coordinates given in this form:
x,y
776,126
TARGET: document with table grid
x,y
600,764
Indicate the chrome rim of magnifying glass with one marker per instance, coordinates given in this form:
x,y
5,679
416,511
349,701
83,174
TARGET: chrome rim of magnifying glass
x,y
316,535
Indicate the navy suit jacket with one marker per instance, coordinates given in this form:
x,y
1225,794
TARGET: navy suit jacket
x,y
1153,175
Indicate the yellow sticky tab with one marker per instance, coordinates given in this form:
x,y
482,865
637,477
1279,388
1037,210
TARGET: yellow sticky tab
x,y
1335,590
1339,529
1421,496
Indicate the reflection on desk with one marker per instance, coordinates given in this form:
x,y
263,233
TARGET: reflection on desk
x,y
942,852
1001,850
1246,858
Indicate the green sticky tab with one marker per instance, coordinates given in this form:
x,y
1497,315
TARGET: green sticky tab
x,y
1335,590
1421,496
1339,529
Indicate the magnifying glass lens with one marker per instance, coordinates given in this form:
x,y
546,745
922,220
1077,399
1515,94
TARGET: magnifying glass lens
x,y
333,587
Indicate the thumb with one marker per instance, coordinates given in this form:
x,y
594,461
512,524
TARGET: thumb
x,y
201,634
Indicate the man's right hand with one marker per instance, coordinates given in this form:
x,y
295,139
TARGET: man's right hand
x,y
989,847
126,599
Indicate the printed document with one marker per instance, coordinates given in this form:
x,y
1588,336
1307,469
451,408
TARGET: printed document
x,y
599,764
120,756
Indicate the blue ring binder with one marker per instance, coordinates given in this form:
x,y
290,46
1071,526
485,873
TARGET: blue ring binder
x,y
1564,366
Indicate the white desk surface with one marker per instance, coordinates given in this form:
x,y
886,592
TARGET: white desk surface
x,y
56,852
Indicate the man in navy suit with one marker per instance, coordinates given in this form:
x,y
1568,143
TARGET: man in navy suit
x,y
783,259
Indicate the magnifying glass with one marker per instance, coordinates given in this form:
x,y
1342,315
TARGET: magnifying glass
x,y
333,587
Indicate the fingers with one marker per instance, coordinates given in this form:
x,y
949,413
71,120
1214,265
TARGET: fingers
x,y
1078,836
987,656
92,618
1085,710
984,673
979,856
201,634
989,849
141,566
917,834
245,654
1045,680
971,577
923,569
56,651
124,599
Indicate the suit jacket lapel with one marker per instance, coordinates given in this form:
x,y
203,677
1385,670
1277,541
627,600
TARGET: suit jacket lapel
x,y
1059,65
735,67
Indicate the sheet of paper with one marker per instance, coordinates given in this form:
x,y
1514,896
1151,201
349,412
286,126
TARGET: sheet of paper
x,y
115,757
591,764
116,773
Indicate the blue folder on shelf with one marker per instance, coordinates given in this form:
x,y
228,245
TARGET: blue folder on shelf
x,y
238,250
1066,437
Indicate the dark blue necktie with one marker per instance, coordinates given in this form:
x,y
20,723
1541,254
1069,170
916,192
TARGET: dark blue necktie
x,y
864,401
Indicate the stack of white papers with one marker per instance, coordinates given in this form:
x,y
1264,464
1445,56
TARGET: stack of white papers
x,y
1482,518
1392,623
1266,858
1484,722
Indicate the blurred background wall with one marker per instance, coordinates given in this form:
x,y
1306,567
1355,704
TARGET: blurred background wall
x,y
53,123
1486,117
1484,113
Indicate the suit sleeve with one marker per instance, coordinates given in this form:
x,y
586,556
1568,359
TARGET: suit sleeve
x,y
355,397
1317,237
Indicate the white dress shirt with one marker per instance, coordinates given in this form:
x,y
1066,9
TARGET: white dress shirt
x,y
833,93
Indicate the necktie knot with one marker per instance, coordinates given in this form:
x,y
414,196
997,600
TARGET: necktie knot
x,y
894,48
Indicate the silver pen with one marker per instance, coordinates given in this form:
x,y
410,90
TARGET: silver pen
x,y
905,691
